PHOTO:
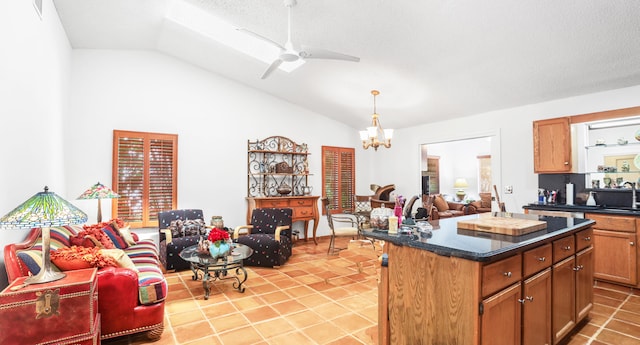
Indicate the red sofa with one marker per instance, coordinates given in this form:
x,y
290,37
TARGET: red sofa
x,y
130,300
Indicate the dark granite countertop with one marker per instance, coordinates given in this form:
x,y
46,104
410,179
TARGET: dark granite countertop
x,y
447,240
620,210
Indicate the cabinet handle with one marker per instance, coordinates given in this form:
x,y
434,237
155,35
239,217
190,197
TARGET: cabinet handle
x,y
542,259
578,268
632,243
566,163
507,274
588,238
567,248
529,298
522,300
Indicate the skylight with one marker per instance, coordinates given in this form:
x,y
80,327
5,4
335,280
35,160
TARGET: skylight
x,y
217,29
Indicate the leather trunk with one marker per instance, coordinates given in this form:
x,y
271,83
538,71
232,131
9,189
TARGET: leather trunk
x,y
61,312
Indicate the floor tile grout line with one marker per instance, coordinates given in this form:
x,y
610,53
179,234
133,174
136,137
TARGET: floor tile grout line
x,y
604,324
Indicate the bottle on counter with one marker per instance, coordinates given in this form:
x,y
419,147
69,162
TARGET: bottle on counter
x,y
592,200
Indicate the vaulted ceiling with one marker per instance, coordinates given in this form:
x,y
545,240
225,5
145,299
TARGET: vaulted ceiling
x,y
430,59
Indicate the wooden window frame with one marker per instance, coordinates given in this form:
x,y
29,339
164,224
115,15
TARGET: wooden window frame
x,y
148,216
341,200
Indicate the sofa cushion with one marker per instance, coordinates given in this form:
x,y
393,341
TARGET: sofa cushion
x,y
114,235
440,203
75,257
59,238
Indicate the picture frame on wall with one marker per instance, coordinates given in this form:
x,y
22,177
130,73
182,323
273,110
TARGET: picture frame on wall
x,y
37,4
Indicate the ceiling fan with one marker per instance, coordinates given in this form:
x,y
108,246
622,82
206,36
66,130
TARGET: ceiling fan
x,y
289,54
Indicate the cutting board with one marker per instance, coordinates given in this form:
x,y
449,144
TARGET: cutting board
x,y
503,225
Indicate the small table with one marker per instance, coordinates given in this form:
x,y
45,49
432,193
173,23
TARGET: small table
x,y
213,269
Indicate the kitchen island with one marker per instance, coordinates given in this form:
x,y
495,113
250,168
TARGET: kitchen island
x,y
457,286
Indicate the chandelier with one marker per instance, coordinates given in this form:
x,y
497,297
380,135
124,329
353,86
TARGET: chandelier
x,y
375,135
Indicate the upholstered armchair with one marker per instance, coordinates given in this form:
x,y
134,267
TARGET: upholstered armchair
x,y
482,205
269,235
179,229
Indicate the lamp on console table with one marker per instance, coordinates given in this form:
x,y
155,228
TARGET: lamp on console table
x,y
460,184
43,210
99,191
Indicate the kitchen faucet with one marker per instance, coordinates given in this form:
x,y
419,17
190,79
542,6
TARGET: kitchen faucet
x,y
634,203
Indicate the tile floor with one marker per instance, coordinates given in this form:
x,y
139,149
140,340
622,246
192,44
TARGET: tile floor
x,y
320,299
313,299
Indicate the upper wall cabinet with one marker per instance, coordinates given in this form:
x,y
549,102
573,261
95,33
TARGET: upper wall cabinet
x,y
552,146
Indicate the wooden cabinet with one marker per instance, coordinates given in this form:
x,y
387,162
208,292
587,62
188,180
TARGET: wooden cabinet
x,y
305,208
552,146
521,299
615,256
536,309
572,291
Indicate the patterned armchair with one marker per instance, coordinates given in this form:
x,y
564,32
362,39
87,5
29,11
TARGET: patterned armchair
x,y
269,235
179,229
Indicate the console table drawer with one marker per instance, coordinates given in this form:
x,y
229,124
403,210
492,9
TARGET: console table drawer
x,y
274,203
301,202
303,212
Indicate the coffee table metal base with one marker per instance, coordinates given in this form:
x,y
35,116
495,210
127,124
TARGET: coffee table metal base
x,y
219,272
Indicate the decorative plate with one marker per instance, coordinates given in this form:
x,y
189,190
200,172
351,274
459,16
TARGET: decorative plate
x,y
636,161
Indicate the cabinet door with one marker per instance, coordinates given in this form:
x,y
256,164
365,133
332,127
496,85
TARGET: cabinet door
x,y
536,309
552,146
564,301
615,256
501,317
584,283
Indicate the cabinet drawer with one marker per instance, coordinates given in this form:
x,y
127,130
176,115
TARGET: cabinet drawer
x,y
302,212
501,274
300,202
274,203
537,259
612,222
563,248
584,239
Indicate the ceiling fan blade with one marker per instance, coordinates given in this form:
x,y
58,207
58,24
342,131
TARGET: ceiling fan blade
x,y
260,37
318,53
274,65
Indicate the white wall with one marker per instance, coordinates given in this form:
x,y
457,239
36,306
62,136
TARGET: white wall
x,y
213,117
515,137
34,89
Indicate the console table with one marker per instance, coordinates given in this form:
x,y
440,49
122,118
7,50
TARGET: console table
x,y
305,208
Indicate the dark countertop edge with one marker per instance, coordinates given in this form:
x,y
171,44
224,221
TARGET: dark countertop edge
x,y
582,208
475,256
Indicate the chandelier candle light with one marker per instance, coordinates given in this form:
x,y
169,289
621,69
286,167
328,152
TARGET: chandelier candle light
x,y
43,210
99,191
375,135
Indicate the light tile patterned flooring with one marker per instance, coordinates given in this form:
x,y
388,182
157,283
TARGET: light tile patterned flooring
x,y
314,298
321,299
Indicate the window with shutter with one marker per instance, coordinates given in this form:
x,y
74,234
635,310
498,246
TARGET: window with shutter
x,y
338,177
145,176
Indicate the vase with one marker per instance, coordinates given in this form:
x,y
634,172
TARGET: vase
x,y
219,249
217,222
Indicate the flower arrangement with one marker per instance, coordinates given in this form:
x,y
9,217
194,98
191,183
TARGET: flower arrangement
x,y
218,235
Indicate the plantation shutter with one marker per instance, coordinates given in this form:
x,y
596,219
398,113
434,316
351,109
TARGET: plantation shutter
x,y
338,177
145,176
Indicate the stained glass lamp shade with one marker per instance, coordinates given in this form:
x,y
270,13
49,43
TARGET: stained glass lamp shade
x,y
99,191
43,210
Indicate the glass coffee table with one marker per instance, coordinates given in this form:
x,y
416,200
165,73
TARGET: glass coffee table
x,y
213,269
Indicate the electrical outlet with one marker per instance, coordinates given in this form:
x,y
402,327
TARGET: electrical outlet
x,y
508,190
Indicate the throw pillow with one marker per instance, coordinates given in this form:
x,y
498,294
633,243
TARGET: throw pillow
x,y
440,203
115,237
176,228
96,232
485,199
120,257
125,232
74,257
194,227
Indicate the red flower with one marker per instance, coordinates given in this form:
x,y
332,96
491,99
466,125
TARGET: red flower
x,y
218,235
